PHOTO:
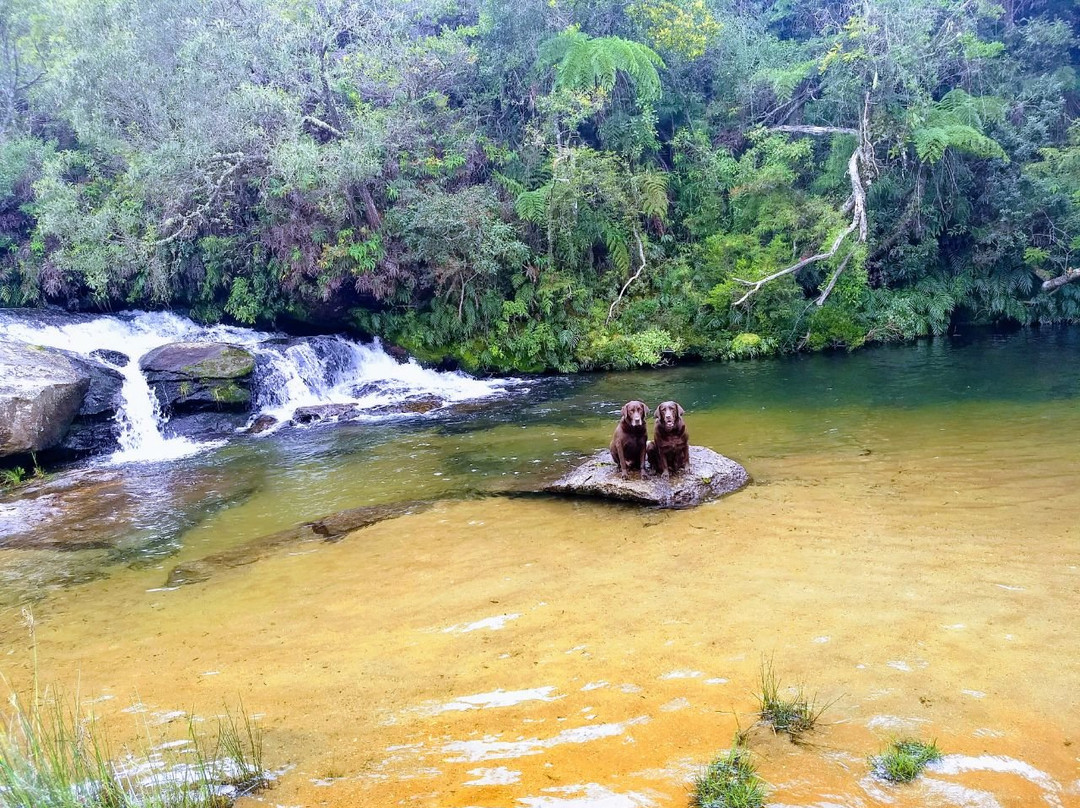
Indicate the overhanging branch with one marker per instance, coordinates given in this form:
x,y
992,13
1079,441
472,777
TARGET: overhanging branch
x,y
862,159
630,280
1054,284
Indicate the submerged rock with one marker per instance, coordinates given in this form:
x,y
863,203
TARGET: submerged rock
x,y
709,476
324,412
41,391
110,357
261,424
197,376
330,528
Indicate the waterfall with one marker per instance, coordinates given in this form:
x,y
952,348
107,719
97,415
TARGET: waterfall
x,y
289,372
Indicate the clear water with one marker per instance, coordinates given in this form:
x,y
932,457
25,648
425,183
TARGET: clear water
x,y
909,551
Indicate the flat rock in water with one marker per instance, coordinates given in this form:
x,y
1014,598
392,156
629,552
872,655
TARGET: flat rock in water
x,y
709,476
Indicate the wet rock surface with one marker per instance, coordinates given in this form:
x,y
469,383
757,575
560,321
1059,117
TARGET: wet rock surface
x,y
41,391
709,476
109,357
327,529
317,413
74,526
95,428
198,376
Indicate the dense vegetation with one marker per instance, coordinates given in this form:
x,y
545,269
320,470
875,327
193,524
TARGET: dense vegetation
x,y
546,183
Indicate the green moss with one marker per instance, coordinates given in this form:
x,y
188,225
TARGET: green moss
x,y
230,393
228,363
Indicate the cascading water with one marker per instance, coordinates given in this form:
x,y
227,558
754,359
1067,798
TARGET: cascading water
x,y
290,373
334,370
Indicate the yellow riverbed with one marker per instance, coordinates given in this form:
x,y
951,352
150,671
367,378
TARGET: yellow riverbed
x,y
920,576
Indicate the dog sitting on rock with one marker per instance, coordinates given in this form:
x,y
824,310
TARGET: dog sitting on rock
x,y
669,450
630,439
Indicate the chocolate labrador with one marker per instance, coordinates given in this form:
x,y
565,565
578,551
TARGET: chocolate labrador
x,y
631,436
669,450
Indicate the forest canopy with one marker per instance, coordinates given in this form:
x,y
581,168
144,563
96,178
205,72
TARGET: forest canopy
x,y
547,184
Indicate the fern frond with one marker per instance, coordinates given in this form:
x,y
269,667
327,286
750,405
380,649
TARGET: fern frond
x,y
532,206
585,63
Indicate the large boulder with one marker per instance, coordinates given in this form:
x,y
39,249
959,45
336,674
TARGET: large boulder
x,y
40,393
95,429
710,475
198,376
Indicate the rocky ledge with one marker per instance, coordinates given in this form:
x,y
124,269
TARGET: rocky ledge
x,y
709,476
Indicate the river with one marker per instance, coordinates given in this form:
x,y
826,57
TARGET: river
x,y
908,553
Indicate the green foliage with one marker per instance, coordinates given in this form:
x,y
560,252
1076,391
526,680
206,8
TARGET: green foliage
x,y
583,63
13,477
957,121
686,27
53,753
904,760
617,351
481,181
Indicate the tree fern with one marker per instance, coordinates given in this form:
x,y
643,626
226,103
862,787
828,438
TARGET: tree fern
x,y
532,205
618,252
584,63
956,121
653,190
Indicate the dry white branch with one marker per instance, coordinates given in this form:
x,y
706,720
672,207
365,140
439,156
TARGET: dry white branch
x,y
630,280
1054,284
815,130
861,157
186,223
832,281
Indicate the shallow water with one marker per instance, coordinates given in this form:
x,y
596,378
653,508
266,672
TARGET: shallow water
x,y
909,552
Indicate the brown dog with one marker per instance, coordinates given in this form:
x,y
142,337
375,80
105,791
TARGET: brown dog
x,y
669,450
630,438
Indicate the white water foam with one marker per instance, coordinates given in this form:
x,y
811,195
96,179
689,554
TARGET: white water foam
x,y
957,764
334,370
591,795
289,373
491,748
498,776
496,698
492,623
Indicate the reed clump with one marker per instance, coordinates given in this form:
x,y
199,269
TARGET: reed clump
x,y
904,759
730,781
53,754
794,714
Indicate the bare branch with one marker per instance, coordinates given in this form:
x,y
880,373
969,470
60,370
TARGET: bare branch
x,y
190,220
815,130
634,277
832,281
1054,284
755,286
856,204
333,130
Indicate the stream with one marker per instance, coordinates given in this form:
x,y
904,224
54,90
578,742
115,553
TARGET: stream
x,y
908,553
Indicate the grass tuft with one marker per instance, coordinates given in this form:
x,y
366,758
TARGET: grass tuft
x,y
730,781
52,754
795,715
904,760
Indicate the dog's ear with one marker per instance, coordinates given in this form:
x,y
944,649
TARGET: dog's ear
x,y
646,406
681,410
626,410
